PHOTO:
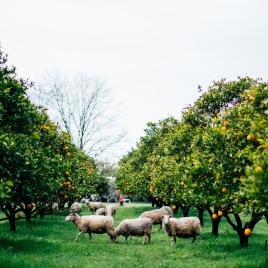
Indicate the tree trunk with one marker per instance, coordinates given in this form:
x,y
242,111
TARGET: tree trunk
x,y
243,239
41,212
28,213
215,222
185,211
12,222
201,215
10,213
215,227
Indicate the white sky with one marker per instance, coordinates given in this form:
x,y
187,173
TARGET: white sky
x,y
152,53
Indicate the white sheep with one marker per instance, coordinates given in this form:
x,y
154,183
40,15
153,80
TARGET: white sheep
x,y
75,207
101,211
168,209
92,224
184,227
110,210
93,206
135,227
155,215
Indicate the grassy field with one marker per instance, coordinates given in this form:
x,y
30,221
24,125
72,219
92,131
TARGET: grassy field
x,y
50,244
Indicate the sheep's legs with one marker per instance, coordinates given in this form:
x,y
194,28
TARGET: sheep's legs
x,y
173,240
78,236
160,227
194,238
144,239
149,238
90,236
126,238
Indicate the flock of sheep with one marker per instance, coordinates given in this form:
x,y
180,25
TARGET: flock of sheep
x,y
103,222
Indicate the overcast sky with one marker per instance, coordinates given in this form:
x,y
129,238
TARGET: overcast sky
x,y
152,53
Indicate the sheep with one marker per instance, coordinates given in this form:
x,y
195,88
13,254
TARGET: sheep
x,y
92,224
184,227
101,211
155,215
110,210
55,206
75,207
135,227
168,209
93,206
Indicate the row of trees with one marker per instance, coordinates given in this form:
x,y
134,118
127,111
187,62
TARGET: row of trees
x,y
39,163
215,158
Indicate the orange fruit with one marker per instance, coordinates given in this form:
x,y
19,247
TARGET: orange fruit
x,y
174,207
258,169
67,148
182,183
67,173
68,155
220,213
224,190
224,128
250,137
225,123
247,232
214,216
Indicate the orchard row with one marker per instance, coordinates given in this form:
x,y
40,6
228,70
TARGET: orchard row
x,y
39,163
215,158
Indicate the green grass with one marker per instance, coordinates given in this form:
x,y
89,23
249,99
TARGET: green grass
x,y
50,244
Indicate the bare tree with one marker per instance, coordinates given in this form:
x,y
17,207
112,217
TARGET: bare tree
x,y
83,106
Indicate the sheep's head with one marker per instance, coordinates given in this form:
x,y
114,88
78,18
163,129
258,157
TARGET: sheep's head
x,y
166,219
70,217
115,235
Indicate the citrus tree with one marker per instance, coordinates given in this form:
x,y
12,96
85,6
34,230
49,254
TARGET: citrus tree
x,y
39,164
215,158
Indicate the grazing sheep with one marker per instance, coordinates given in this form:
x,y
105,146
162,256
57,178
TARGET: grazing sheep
x,y
55,206
93,206
155,215
135,227
184,227
92,224
110,210
75,207
101,211
168,209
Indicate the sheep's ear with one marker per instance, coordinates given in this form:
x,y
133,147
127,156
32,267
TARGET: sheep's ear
x,y
169,216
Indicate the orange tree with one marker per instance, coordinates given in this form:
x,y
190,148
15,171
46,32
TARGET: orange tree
x,y
192,164
29,164
38,163
179,171
134,170
237,146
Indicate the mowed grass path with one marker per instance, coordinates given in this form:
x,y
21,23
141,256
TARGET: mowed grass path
x,y
50,244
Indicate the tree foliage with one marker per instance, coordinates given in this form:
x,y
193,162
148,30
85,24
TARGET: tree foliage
x,y
215,156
